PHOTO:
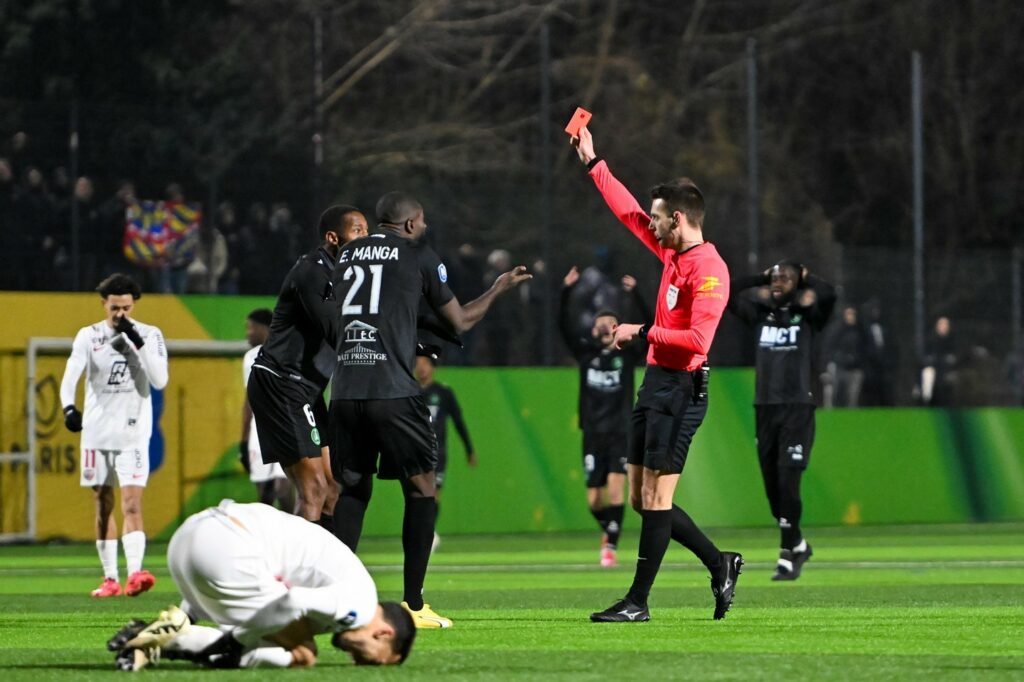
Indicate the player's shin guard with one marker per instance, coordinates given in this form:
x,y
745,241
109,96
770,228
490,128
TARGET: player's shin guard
x,y
655,533
417,536
348,519
686,533
614,513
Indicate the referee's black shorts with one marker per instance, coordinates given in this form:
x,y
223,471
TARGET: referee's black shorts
x,y
290,417
785,434
667,414
396,430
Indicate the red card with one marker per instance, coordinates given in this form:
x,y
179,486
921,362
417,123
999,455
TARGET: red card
x,y
579,119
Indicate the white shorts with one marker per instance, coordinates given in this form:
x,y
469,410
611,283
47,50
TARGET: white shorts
x,y
97,467
219,570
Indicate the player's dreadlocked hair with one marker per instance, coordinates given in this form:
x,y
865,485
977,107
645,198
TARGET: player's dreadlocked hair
x,y
119,285
684,196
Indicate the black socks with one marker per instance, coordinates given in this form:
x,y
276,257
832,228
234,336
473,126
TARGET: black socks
x,y
686,533
417,536
655,533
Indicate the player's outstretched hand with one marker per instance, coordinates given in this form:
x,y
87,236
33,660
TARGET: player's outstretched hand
x,y
471,459
584,144
571,277
125,326
625,334
72,419
628,283
511,279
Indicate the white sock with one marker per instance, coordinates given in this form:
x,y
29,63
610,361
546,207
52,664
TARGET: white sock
x,y
802,547
107,550
134,549
266,657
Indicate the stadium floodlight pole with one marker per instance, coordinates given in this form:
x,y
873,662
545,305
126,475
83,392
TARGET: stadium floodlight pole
x,y
318,113
76,250
918,171
547,348
753,181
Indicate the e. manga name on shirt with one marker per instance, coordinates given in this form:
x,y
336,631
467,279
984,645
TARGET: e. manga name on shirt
x,y
375,252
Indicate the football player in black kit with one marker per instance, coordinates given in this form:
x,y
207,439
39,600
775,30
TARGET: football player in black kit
x,y
605,404
443,405
291,372
787,307
376,407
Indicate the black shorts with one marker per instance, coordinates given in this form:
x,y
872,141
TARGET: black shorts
x,y
603,454
785,434
670,407
291,417
397,430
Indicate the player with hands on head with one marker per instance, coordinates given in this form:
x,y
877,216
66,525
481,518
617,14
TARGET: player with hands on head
x,y
788,307
124,360
673,399
605,403
380,423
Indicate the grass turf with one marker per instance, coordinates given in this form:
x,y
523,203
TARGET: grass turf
x,y
873,604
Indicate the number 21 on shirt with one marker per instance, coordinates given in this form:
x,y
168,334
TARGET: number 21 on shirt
x,y
359,273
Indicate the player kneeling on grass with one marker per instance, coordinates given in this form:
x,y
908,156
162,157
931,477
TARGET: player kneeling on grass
x,y
270,581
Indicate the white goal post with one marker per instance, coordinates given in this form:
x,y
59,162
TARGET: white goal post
x,y
45,345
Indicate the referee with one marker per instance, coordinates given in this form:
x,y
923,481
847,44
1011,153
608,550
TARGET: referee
x,y
788,307
291,372
380,423
673,398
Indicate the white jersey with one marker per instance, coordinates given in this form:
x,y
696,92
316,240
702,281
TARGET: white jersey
x,y
258,471
258,569
118,412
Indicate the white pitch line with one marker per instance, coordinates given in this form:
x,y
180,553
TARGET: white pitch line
x,y
555,568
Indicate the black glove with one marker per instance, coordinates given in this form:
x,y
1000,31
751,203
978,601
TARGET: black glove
x,y
124,326
225,652
243,455
72,419
429,350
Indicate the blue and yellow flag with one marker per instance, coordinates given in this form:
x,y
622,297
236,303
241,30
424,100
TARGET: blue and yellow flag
x,y
158,232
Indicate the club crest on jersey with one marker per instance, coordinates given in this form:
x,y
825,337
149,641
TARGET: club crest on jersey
x,y
314,435
672,296
442,272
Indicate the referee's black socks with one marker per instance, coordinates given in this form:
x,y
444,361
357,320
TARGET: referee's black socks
x,y
655,533
686,533
417,536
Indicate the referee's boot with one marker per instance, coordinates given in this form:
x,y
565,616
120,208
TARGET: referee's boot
x,y
426,618
623,611
791,563
723,582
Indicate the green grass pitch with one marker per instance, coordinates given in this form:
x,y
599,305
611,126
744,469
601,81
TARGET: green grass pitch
x,y
874,604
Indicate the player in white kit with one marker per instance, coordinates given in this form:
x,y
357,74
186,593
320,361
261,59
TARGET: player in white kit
x,y
271,482
123,361
270,581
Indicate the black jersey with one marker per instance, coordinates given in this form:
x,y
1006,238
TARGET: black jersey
x,y
301,344
606,378
785,337
378,283
443,406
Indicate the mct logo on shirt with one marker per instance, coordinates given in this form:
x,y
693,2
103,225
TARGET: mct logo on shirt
x,y
779,337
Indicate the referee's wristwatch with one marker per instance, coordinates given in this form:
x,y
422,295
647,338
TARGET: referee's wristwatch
x,y
642,332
